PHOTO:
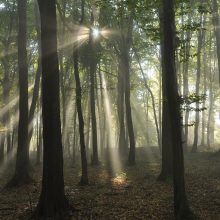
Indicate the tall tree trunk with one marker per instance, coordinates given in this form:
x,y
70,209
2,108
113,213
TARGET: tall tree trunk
x,y
186,82
39,143
204,101
74,135
103,124
216,24
21,175
52,201
2,145
198,79
181,209
126,69
92,70
121,110
210,113
167,151
84,176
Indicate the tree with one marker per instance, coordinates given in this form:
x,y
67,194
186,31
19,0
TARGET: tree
x,y
21,175
52,201
84,176
92,73
181,209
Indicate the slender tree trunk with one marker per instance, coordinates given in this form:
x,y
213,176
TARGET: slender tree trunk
x,y
181,209
198,79
210,113
204,101
121,110
126,68
52,202
74,134
92,70
103,124
39,144
21,175
216,24
84,176
2,145
152,98
186,82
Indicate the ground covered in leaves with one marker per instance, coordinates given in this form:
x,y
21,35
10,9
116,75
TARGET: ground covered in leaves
x,y
133,193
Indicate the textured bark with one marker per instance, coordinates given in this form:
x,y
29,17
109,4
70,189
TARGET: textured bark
x,y
126,70
181,209
52,201
167,151
21,175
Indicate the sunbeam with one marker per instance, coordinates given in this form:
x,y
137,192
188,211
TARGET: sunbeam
x,y
113,151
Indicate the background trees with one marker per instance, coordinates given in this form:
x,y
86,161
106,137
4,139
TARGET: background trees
x,y
110,62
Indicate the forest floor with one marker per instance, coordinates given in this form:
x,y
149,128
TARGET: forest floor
x,y
134,193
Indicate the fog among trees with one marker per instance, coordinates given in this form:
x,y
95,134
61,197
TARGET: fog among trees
x,y
109,109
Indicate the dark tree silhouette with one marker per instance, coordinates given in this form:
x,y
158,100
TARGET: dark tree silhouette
x,y
52,200
21,175
92,71
167,165
181,209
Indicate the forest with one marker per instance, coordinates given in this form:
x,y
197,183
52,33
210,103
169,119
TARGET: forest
x,y
109,109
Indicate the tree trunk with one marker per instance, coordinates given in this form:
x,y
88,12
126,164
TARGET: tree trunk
x,y
126,66
121,110
210,113
186,82
52,202
216,24
153,100
204,101
181,209
198,79
167,152
21,175
84,176
92,70
2,145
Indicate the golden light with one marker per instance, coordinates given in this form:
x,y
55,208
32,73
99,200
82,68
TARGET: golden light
x,y
121,179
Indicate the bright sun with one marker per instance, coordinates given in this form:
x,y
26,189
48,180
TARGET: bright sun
x,y
95,32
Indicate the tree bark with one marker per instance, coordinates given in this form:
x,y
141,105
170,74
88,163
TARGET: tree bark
x,y
52,201
198,79
92,70
84,176
181,209
216,24
21,175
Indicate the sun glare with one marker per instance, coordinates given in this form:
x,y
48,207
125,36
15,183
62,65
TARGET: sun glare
x,y
96,32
